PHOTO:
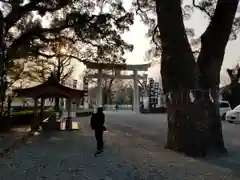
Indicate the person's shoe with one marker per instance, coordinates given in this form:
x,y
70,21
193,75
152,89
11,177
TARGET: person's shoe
x,y
98,152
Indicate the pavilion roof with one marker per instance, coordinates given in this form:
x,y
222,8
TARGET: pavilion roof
x,y
50,89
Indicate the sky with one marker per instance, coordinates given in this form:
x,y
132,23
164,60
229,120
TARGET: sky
x,y
198,21
136,36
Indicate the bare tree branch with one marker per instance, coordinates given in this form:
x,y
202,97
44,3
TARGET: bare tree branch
x,y
201,8
155,31
18,12
5,1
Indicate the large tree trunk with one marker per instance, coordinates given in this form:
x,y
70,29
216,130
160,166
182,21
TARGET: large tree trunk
x,y
214,41
178,76
3,85
58,78
194,126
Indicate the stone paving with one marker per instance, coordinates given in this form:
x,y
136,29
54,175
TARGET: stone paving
x,y
153,162
64,155
129,155
9,141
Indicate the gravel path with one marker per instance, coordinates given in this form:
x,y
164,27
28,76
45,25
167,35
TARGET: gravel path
x,y
11,140
155,162
65,155
129,155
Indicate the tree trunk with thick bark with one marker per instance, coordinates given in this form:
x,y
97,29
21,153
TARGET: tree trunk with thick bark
x,y
3,85
214,41
58,78
194,126
105,95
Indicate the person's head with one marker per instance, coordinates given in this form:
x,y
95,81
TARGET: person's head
x,y
99,109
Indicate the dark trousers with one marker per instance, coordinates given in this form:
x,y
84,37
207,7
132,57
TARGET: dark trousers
x,y
99,138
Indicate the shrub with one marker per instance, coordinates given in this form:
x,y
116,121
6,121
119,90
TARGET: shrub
x,y
5,124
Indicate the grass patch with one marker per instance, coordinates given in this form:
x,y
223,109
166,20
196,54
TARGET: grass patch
x,y
18,100
47,110
25,112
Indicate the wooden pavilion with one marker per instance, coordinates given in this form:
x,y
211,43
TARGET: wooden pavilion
x,y
50,89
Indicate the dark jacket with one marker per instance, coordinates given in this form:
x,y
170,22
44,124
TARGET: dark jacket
x,y
97,121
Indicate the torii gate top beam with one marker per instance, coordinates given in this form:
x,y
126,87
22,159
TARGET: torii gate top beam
x,y
108,66
106,76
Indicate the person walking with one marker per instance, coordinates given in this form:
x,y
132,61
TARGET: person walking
x,y
116,107
97,124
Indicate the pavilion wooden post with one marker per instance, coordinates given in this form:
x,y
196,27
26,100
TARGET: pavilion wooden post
x,y
42,110
34,121
68,121
69,108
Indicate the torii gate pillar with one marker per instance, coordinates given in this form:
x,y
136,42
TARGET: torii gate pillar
x,y
99,92
136,103
118,67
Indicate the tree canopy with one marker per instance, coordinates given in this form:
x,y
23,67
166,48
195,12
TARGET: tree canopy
x,y
96,34
35,29
147,10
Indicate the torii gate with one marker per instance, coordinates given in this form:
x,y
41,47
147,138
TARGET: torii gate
x,y
118,68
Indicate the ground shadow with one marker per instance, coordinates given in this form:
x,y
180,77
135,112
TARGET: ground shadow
x,y
230,161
